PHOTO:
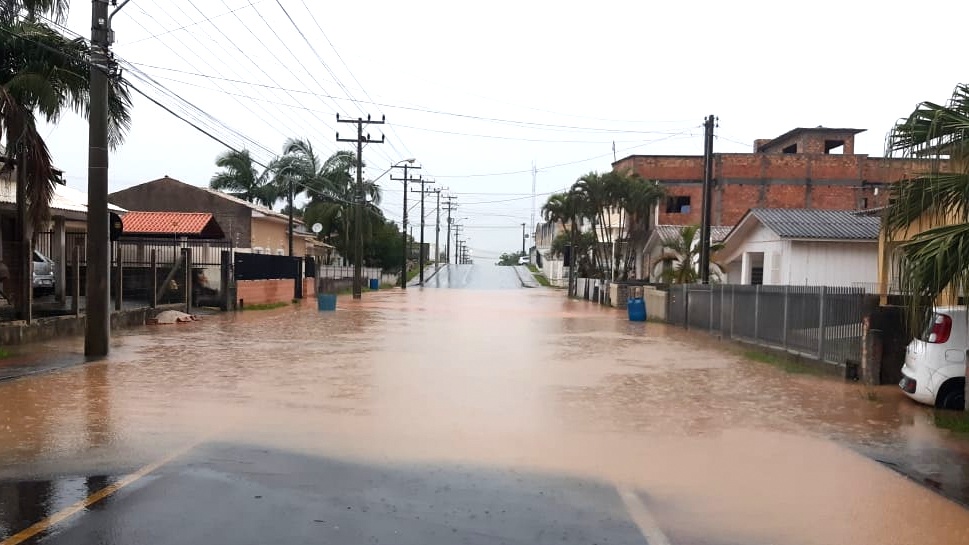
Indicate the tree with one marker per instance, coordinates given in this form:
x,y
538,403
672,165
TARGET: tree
x,y
240,179
581,244
507,260
42,73
681,257
934,263
566,209
331,188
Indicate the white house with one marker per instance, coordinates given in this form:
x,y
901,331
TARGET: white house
x,y
774,246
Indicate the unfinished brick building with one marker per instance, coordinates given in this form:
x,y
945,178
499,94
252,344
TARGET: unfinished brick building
x,y
803,168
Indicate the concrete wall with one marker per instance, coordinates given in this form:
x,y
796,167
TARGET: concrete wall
x,y
655,304
272,235
43,329
832,263
555,271
170,195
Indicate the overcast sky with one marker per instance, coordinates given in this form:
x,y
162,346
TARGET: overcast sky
x,y
478,92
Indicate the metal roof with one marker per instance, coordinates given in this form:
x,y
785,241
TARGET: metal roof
x,y
668,233
819,224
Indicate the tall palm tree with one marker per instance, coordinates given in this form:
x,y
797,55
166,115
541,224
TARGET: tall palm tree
x,y
42,73
681,257
240,179
934,263
636,198
331,188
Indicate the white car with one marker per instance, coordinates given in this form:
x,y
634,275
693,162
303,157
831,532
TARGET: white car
x,y
934,372
523,260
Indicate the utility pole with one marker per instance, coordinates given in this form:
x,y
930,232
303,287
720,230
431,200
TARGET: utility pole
x,y
420,251
403,230
290,215
708,125
358,195
457,244
447,239
523,240
437,232
97,329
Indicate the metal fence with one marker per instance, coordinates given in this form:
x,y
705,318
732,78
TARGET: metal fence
x,y
817,321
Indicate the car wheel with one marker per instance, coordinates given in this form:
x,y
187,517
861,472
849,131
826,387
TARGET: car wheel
x,y
952,396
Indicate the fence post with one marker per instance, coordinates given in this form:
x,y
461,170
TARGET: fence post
x,y
787,290
225,279
686,307
733,307
821,328
117,279
756,311
153,265
710,303
187,278
76,265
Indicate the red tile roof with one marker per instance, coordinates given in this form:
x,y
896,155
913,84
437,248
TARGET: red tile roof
x,y
165,223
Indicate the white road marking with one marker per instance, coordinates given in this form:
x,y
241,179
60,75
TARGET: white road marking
x,y
641,516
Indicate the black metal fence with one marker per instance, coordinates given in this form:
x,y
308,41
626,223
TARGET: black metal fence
x,y
820,322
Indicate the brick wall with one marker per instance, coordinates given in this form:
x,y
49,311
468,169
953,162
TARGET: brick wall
x,y
258,292
747,180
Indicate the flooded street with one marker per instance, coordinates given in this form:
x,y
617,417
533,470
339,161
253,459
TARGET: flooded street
x,y
477,415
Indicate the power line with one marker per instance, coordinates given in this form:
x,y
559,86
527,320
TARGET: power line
x,y
183,27
538,126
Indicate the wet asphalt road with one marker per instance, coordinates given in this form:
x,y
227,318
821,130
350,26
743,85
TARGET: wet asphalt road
x,y
489,414
475,277
230,494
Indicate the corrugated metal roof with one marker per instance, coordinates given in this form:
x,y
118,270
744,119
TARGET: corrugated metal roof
x,y
669,233
165,223
819,224
64,198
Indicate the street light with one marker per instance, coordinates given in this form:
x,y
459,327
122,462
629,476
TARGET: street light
x,y
393,166
403,230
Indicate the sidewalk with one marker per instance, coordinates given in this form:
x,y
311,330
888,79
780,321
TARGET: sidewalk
x,y
34,362
525,275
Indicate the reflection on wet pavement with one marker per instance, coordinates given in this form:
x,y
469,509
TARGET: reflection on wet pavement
x,y
724,450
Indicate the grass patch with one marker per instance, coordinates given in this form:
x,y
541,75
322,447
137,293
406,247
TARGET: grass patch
x,y
955,421
266,306
539,277
787,363
4,353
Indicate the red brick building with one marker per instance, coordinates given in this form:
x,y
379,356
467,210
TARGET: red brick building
x,y
803,168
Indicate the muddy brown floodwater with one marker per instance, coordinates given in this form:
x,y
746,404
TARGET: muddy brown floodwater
x,y
720,446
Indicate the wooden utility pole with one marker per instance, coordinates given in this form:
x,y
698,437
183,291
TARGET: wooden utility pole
x,y
359,197
708,126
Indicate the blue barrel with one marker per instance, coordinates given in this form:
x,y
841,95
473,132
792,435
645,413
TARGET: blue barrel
x,y
375,283
326,301
636,307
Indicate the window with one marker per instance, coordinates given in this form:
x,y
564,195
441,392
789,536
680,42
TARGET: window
x,y
756,276
834,147
678,205
790,149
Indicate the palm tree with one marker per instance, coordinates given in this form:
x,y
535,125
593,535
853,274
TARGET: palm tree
x,y
566,208
42,72
331,188
934,264
240,179
681,257
636,198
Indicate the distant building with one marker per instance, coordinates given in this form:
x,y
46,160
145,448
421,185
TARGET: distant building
x,y
803,168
